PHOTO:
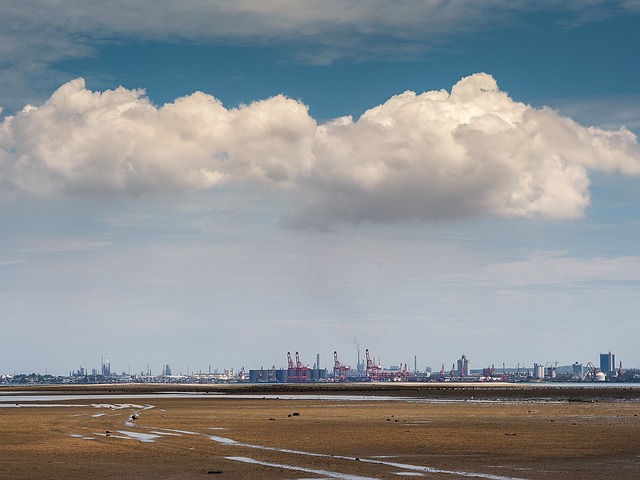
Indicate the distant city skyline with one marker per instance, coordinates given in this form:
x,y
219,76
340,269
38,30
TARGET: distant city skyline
x,y
105,367
419,178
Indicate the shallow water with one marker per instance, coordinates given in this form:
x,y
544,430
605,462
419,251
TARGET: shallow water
x,y
75,435
169,434
226,441
325,473
143,437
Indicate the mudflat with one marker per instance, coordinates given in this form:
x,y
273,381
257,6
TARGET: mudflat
x,y
297,431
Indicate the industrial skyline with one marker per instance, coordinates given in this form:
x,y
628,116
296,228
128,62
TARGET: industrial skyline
x,y
364,364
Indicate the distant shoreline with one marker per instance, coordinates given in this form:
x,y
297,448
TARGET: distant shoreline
x,y
462,391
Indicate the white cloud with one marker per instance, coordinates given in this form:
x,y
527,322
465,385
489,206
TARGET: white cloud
x,y
474,151
117,141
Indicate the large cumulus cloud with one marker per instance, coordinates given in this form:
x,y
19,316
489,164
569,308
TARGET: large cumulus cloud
x,y
471,151
118,142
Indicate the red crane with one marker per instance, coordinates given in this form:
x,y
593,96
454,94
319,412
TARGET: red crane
x,y
304,371
373,370
339,370
403,374
298,362
291,365
297,372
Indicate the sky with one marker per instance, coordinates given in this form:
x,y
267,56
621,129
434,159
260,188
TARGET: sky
x,y
212,184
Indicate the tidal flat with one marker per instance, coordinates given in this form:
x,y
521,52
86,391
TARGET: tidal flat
x,y
365,431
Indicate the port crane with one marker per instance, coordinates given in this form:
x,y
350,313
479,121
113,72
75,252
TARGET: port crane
x,y
591,373
403,374
339,370
373,370
298,372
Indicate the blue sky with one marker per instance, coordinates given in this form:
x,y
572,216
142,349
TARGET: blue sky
x,y
205,183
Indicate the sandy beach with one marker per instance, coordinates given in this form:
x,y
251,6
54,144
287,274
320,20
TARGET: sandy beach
x,y
319,431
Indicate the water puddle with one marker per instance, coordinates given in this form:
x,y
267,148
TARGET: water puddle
x,y
226,441
122,406
325,473
82,437
183,432
143,437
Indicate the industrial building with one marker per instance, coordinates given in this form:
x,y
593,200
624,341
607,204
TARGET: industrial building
x,y
281,375
607,363
464,367
296,372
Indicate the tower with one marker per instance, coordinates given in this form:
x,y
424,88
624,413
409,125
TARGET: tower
x,y
464,367
607,362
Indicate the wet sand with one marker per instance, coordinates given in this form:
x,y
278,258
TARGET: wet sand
x,y
495,432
